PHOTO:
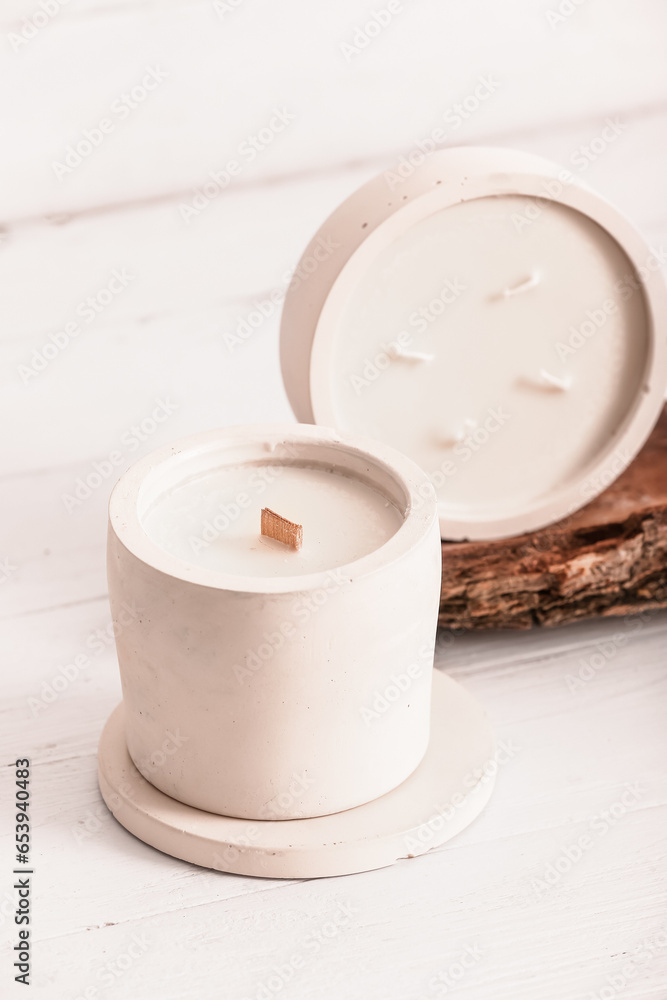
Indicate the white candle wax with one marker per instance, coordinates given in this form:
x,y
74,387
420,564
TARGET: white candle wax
x,y
213,521
493,318
524,350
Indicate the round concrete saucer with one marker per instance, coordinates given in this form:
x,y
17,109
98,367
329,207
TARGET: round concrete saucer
x,y
447,791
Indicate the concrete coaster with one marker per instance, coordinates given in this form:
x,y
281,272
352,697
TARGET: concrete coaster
x,y
448,790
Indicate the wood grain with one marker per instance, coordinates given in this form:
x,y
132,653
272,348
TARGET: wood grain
x,y
586,724
609,558
276,526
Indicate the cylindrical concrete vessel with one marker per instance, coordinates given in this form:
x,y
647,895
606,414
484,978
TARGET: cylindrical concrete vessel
x,y
275,697
517,316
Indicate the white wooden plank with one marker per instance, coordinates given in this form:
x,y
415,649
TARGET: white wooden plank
x,y
577,745
15,12
225,81
485,890
245,242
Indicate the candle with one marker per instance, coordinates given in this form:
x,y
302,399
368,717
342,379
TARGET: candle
x,y
266,659
213,521
515,315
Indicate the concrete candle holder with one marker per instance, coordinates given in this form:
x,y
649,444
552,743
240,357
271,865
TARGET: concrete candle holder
x,y
281,689
517,316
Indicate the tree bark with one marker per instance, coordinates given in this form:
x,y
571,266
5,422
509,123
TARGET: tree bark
x,y
609,558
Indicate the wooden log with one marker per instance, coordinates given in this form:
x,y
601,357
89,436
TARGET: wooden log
x,y
609,558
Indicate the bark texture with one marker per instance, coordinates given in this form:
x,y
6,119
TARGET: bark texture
x,y
609,558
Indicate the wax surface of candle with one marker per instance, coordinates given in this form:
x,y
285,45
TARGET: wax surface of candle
x,y
214,521
499,343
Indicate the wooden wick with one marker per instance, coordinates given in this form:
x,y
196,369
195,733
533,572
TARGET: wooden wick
x,y
287,532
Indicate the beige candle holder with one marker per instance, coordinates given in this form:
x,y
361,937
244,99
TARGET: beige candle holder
x,y
329,756
344,305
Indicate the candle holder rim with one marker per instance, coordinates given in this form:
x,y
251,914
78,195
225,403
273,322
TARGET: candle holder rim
x,y
419,512
447,178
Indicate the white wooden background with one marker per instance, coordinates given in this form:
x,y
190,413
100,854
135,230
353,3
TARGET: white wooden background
x,y
581,748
